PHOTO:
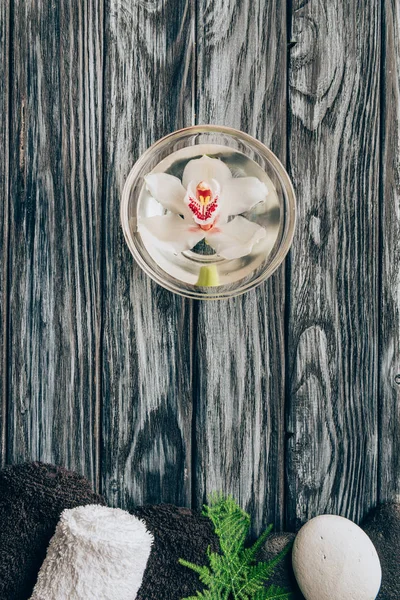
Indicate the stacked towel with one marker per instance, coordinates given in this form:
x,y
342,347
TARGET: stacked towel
x,y
32,498
96,552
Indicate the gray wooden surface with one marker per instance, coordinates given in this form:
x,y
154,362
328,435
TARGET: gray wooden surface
x,y
287,397
55,233
239,375
4,213
332,412
389,264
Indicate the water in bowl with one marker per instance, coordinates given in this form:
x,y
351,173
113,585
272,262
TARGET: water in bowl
x,y
268,214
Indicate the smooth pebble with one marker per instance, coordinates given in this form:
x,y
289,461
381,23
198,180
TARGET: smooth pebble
x,y
333,559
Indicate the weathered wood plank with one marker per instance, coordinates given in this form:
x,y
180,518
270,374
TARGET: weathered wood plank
x,y
56,218
4,204
389,350
332,454
239,360
147,331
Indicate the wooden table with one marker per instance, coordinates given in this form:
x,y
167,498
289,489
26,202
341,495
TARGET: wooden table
x,y
287,397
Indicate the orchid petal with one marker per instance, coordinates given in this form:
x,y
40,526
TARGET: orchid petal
x,y
238,195
170,232
168,191
205,169
236,238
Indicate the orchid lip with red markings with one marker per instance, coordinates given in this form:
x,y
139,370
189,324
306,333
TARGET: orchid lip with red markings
x,y
199,208
204,203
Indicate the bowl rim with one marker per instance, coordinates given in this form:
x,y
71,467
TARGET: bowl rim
x,y
290,214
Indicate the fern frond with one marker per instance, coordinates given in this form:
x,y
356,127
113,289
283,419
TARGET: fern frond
x,y
204,573
273,593
232,575
223,569
231,523
206,595
254,579
218,564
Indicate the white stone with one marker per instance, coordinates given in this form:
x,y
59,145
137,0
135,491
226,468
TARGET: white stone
x,y
333,559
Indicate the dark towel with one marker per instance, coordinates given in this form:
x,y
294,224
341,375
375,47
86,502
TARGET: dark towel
x,y
383,527
178,533
32,498
182,533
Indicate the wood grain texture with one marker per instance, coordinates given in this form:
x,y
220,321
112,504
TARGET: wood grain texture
x,y
55,223
389,350
239,360
156,398
332,453
4,204
147,331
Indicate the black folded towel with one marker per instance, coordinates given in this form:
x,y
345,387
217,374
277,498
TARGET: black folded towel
x,y
32,498
178,533
383,527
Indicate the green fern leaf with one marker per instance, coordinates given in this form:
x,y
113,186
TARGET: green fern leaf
x,y
204,573
232,574
231,523
207,595
273,593
254,580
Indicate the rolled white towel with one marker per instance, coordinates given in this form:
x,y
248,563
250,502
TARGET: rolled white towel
x,y
96,553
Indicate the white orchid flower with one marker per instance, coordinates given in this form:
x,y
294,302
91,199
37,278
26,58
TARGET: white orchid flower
x,y
199,207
